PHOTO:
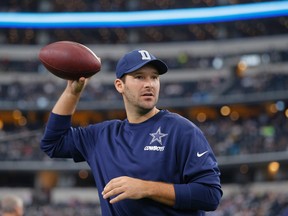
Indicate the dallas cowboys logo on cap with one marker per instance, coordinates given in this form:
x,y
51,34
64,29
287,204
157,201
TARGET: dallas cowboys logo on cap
x,y
136,59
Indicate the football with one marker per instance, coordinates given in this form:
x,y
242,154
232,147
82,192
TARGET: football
x,y
69,60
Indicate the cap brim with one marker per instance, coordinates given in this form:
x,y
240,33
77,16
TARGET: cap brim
x,y
160,66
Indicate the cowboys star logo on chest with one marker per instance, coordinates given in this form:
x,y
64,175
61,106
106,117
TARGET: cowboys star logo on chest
x,y
156,140
157,136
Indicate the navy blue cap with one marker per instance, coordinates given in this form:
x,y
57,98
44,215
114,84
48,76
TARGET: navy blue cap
x,y
136,59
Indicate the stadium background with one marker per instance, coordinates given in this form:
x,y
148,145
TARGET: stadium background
x,y
229,78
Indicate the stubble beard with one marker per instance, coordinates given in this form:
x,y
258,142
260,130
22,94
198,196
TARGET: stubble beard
x,y
142,106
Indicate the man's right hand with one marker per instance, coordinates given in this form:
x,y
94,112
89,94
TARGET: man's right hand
x,y
67,102
77,86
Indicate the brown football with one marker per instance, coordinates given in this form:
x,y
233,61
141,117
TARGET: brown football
x,y
69,60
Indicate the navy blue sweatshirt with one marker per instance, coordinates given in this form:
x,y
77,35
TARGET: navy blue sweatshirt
x,y
166,148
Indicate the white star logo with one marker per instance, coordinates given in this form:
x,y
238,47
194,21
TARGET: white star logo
x,y
157,136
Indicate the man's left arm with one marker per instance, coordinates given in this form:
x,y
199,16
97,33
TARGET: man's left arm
x,y
125,187
189,196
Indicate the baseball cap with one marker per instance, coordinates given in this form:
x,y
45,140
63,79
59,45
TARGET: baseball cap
x,y
136,59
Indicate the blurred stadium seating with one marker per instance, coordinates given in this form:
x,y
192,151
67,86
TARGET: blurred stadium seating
x,y
229,78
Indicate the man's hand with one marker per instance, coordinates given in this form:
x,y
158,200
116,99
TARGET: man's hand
x,y
77,86
124,187
67,102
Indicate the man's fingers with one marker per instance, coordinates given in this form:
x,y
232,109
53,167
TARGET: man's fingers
x,y
112,192
123,188
111,185
116,187
118,198
77,85
116,193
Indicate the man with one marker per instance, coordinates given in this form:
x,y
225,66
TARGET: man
x,y
153,163
12,206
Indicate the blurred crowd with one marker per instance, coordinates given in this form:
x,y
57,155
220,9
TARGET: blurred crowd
x,y
246,203
21,146
195,32
263,133
181,60
247,136
64,209
249,203
199,32
43,93
260,134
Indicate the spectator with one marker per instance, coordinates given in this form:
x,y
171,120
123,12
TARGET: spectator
x,y
12,205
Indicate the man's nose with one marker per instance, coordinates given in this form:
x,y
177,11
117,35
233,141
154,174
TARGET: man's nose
x,y
148,82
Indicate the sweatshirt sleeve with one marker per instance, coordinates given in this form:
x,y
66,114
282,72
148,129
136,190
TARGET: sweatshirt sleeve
x,y
197,196
57,141
200,186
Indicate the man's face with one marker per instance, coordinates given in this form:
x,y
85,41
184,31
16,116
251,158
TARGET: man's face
x,y
141,88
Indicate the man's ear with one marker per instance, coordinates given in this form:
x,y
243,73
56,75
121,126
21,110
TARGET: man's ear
x,y
118,83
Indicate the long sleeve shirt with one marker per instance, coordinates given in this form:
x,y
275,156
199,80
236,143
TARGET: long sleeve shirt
x,y
167,148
